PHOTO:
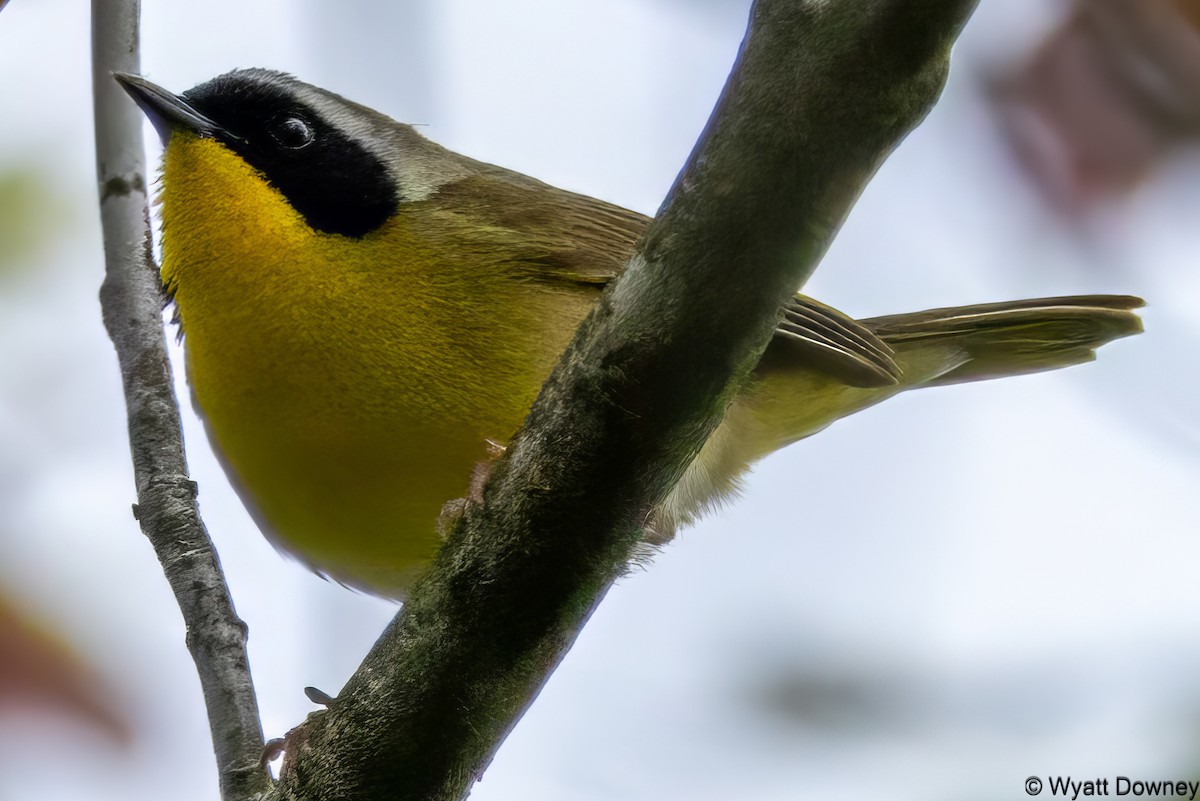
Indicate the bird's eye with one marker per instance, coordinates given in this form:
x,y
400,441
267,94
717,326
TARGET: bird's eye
x,y
291,132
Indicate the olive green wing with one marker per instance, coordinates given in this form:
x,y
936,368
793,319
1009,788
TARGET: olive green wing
x,y
570,240
551,236
824,339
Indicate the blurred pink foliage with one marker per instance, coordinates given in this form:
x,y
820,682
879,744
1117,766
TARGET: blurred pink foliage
x,y
41,674
1110,93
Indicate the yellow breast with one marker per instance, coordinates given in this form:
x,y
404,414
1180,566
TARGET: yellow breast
x,y
349,385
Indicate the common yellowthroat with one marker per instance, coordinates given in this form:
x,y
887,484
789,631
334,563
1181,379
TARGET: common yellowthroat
x,y
364,311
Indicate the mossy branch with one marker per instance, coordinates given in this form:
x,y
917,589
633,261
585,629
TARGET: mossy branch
x,y
821,92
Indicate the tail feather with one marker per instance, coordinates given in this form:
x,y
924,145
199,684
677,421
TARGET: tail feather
x,y
817,372
1026,336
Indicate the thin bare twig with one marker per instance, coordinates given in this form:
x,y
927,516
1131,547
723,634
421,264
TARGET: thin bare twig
x,y
822,91
131,300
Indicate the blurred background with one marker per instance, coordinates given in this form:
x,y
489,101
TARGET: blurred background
x,y
1018,600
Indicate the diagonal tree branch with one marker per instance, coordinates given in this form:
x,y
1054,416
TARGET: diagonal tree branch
x,y
821,92
131,300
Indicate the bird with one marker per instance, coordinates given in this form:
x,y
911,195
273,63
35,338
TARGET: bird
x,y
367,318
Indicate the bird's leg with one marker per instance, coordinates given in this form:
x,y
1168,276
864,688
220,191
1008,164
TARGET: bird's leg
x,y
452,511
479,475
279,746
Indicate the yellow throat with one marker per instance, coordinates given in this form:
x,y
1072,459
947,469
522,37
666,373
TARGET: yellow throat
x,y
318,361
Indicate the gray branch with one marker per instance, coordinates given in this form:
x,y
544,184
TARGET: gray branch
x,y
821,92
132,301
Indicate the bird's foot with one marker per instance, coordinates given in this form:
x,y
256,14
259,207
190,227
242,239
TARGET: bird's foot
x,y
452,511
282,746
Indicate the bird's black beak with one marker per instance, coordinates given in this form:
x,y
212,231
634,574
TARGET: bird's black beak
x,y
167,111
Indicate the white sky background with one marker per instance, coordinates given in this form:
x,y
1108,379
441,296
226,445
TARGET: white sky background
x,y
952,591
